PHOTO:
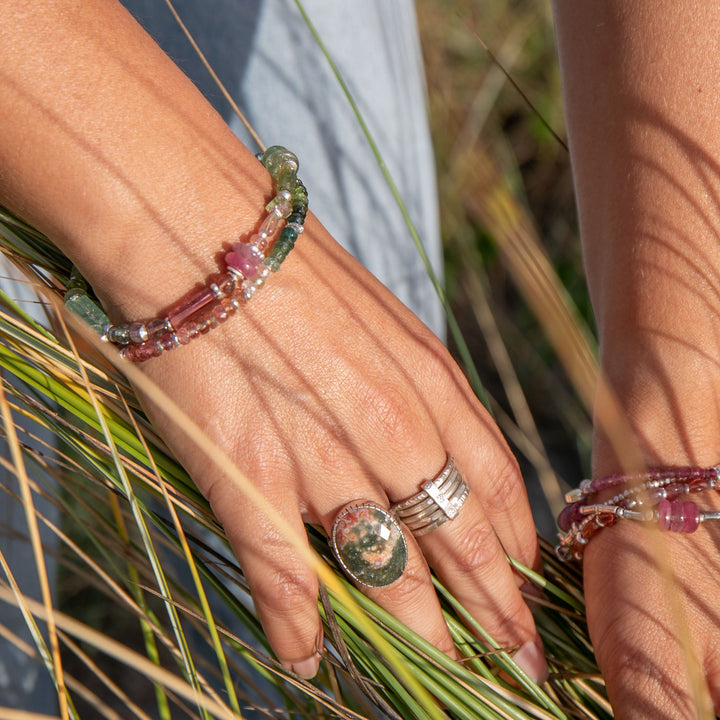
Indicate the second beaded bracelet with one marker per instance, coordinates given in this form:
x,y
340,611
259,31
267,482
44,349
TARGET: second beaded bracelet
x,y
247,267
656,496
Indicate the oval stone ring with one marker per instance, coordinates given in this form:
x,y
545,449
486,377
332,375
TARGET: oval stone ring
x,y
369,544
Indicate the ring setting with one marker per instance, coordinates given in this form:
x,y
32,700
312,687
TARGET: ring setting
x,y
369,544
438,501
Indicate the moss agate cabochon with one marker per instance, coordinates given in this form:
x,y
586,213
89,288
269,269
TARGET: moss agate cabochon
x,y
369,544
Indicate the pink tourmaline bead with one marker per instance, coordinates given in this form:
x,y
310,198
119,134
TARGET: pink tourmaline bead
x,y
663,510
692,517
206,324
178,314
608,482
245,258
222,311
187,332
156,327
683,517
226,284
167,341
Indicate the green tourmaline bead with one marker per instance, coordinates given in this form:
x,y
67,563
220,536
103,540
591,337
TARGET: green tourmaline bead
x,y
282,246
76,281
273,263
300,202
287,177
288,234
296,217
275,157
81,305
279,253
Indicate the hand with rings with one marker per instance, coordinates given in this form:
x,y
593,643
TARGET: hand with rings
x,y
368,541
346,412
324,390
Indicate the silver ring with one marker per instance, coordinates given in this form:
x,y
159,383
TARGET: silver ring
x,y
439,500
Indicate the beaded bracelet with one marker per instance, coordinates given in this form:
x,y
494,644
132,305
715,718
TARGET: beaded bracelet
x,y
651,497
247,267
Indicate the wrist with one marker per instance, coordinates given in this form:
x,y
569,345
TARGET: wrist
x,y
247,265
146,254
666,389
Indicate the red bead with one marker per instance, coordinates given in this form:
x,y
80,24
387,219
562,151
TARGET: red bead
x,y
141,352
570,515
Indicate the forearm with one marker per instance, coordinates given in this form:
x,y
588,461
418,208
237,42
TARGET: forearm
x,y
109,149
640,82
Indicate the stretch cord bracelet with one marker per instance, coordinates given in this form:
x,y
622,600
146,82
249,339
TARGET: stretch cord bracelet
x,y
647,497
247,267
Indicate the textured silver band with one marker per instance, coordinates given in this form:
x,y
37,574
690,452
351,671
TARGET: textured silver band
x,y
439,500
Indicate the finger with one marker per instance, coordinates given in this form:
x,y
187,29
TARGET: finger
x,y
712,663
470,561
491,470
284,587
460,543
641,630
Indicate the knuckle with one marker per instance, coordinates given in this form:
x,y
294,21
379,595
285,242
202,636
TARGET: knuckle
x,y
507,491
478,550
391,413
511,624
406,591
284,590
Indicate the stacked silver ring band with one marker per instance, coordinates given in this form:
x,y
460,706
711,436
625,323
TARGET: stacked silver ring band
x,y
439,500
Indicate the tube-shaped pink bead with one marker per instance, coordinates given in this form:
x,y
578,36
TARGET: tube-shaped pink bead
x,y
179,313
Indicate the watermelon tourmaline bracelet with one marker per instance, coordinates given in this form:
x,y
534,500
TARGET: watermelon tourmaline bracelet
x,y
247,267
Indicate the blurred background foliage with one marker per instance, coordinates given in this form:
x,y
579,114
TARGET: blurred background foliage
x,y
495,103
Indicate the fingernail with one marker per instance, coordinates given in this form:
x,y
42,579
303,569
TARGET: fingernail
x,y
307,668
531,659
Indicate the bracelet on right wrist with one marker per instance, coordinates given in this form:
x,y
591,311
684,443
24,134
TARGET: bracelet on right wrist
x,y
652,497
